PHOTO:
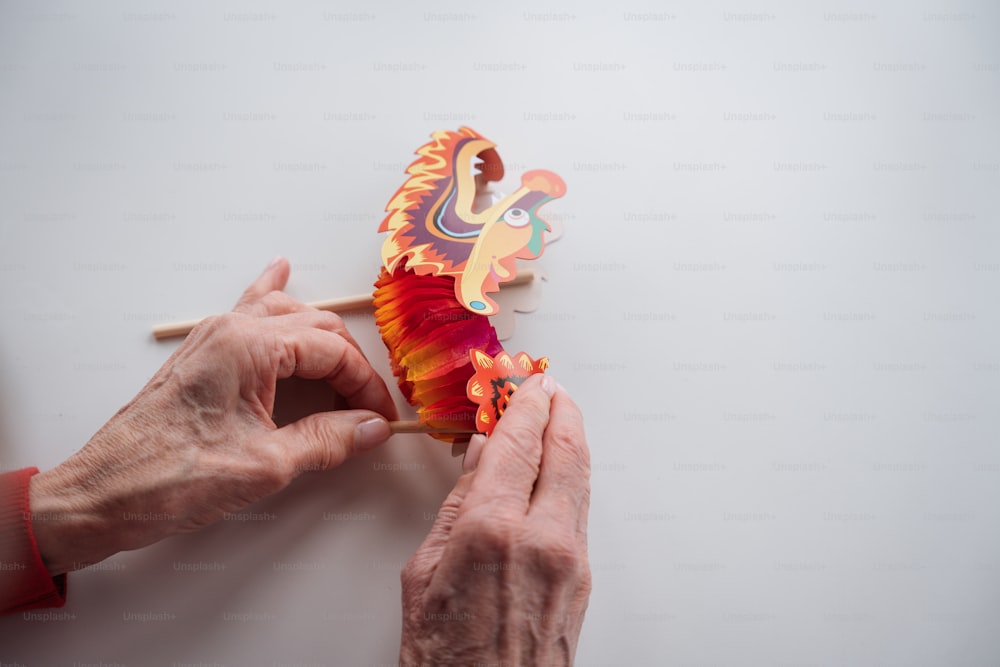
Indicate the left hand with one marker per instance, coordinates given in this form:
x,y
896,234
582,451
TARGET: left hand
x,y
199,440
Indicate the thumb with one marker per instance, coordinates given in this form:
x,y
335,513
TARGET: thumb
x,y
324,440
274,277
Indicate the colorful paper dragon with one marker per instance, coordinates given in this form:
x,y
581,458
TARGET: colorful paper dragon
x,y
443,256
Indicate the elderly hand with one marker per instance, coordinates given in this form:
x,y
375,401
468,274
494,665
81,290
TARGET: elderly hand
x,y
199,440
503,578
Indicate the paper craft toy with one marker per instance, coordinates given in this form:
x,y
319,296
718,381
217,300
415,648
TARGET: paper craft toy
x,y
442,257
435,228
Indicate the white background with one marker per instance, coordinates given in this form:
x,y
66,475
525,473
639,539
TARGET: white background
x,y
775,300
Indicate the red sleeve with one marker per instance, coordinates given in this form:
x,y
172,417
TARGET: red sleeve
x,y
25,583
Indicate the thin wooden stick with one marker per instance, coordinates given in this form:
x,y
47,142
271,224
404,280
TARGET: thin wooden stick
x,y
341,305
417,427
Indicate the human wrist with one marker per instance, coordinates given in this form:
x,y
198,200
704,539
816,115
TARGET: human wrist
x,y
68,529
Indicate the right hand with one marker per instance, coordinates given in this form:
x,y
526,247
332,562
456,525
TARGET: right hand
x,y
503,576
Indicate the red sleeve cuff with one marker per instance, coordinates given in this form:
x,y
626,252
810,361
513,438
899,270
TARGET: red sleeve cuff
x,y
25,582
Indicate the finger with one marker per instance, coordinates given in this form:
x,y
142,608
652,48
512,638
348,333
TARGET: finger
x,y
421,567
279,303
474,451
264,298
324,440
274,277
274,304
508,465
333,322
317,354
562,491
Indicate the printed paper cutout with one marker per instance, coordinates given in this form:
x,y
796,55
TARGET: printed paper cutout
x,y
495,381
436,230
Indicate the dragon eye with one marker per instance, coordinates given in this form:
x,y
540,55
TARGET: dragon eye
x,y
516,217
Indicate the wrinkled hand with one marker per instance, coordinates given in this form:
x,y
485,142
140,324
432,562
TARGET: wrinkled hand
x,y
199,440
503,577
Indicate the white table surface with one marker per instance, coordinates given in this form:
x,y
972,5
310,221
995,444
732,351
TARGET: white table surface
x,y
776,300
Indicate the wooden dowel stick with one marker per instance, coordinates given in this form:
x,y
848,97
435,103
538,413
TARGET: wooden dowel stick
x,y
341,305
417,427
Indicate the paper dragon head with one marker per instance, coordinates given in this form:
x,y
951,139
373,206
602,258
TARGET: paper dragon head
x,y
437,230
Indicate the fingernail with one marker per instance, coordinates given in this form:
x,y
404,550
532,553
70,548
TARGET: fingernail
x,y
549,385
274,262
370,434
472,454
